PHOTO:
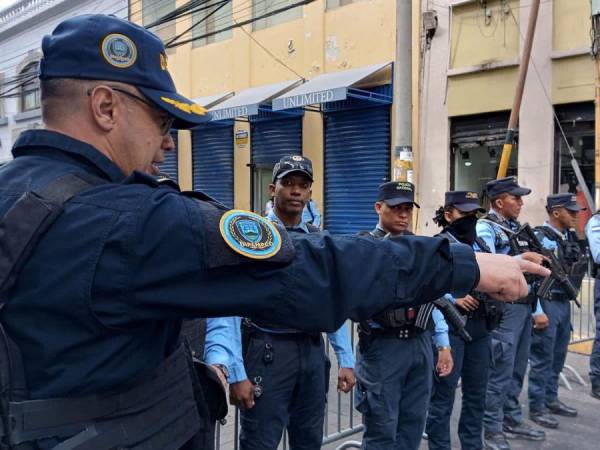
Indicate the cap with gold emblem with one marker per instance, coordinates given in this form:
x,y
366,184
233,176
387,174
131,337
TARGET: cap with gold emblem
x,y
464,201
103,47
397,192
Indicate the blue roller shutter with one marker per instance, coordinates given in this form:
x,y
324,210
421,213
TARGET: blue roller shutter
x,y
212,161
357,161
271,139
170,166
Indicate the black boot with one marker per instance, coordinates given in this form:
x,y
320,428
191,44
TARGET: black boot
x,y
596,390
543,419
560,409
514,430
495,441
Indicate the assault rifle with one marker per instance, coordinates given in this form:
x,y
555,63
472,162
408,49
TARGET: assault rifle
x,y
453,317
557,275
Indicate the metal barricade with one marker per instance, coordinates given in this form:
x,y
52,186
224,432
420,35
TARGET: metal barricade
x,y
341,420
584,325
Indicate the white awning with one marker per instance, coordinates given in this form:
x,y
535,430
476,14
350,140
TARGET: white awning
x,y
331,87
246,102
212,100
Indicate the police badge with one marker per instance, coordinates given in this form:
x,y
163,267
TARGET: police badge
x,y
249,234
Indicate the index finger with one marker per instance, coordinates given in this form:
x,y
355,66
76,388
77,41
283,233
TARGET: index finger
x,y
533,268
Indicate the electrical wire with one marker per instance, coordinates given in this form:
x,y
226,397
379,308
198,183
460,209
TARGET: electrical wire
x,y
197,3
245,22
221,19
269,52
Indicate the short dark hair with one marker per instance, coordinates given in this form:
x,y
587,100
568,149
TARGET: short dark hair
x,y
58,93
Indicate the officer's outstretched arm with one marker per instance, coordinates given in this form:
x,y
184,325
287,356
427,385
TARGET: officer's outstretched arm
x,y
173,261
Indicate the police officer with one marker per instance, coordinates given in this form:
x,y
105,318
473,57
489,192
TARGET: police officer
x,y
99,263
287,367
511,340
592,232
395,360
471,359
549,345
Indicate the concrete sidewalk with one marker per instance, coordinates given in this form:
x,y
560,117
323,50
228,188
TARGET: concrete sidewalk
x,y
579,433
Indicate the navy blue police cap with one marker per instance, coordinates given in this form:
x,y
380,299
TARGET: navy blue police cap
x,y
567,201
103,47
506,185
397,192
292,163
464,201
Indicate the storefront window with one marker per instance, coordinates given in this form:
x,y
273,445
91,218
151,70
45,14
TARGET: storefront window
x,y
577,122
476,149
262,178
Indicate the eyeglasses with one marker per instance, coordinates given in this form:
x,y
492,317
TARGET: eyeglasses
x,y
166,121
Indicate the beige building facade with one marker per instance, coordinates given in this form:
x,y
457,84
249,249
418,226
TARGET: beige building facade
x,y
468,82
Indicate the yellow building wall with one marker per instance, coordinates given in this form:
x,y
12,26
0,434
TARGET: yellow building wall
x,y
573,80
481,92
321,41
477,39
571,24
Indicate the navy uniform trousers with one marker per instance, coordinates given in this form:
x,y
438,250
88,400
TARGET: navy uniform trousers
x,y
394,378
510,352
292,371
548,354
471,364
595,357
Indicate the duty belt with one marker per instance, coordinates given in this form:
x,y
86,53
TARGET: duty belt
x,y
405,332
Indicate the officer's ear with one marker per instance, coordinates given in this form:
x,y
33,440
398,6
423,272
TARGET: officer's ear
x,y
103,107
378,207
272,189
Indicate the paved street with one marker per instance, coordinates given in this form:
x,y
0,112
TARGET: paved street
x,y
581,433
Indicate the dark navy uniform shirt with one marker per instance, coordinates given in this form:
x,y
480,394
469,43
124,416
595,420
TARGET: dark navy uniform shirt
x,y
99,303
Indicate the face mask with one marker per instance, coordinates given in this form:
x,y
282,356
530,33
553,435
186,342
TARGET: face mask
x,y
463,229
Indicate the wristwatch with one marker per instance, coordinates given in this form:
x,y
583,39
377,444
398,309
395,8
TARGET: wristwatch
x,y
444,347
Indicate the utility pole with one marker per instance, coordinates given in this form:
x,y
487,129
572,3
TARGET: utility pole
x,y
403,156
514,112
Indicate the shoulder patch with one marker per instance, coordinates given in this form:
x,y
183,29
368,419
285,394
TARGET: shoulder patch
x,y
249,234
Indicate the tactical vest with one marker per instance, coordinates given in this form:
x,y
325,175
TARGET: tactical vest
x,y
504,235
165,410
570,254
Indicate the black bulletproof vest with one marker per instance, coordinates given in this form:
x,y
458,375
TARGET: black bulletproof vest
x,y
161,411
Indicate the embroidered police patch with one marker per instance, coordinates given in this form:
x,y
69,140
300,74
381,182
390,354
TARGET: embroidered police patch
x,y
118,50
249,234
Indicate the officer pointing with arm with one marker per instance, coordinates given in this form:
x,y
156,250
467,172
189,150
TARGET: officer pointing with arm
x,y
100,263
